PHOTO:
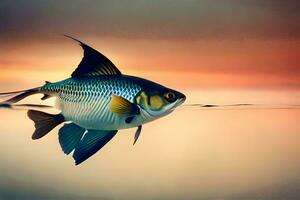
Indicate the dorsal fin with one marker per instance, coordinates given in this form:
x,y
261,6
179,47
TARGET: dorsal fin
x,y
93,63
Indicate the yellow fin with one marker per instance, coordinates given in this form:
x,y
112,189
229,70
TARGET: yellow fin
x,y
122,106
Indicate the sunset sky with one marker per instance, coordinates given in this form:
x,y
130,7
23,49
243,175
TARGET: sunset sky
x,y
215,52
192,44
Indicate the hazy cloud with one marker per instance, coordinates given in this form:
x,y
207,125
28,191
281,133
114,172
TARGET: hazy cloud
x,y
152,19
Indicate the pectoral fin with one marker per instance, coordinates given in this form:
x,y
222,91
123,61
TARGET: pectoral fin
x,y
137,134
123,107
91,142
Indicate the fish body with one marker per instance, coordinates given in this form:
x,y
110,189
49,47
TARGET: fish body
x,y
85,101
96,102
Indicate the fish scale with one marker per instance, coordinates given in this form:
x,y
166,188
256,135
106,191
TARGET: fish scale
x,y
85,101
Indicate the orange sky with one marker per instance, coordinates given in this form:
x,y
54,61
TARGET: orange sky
x,y
229,44
192,64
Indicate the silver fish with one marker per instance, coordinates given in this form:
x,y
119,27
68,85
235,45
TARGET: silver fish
x,y
96,102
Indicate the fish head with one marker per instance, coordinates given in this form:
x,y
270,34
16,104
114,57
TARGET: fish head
x,y
159,101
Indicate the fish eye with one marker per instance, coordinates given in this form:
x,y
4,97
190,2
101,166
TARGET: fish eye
x,y
170,97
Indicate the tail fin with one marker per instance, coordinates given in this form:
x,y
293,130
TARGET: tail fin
x,y
19,97
44,122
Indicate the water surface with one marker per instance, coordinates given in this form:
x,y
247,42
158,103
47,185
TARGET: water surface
x,y
192,154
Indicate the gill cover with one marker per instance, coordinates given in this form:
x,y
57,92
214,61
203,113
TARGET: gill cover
x,y
150,101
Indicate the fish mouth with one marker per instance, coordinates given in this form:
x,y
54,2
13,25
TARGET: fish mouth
x,y
181,100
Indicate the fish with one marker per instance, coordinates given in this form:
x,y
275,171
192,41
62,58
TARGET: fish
x,y
95,103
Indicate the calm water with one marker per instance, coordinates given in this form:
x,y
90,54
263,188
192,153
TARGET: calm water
x,y
191,154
